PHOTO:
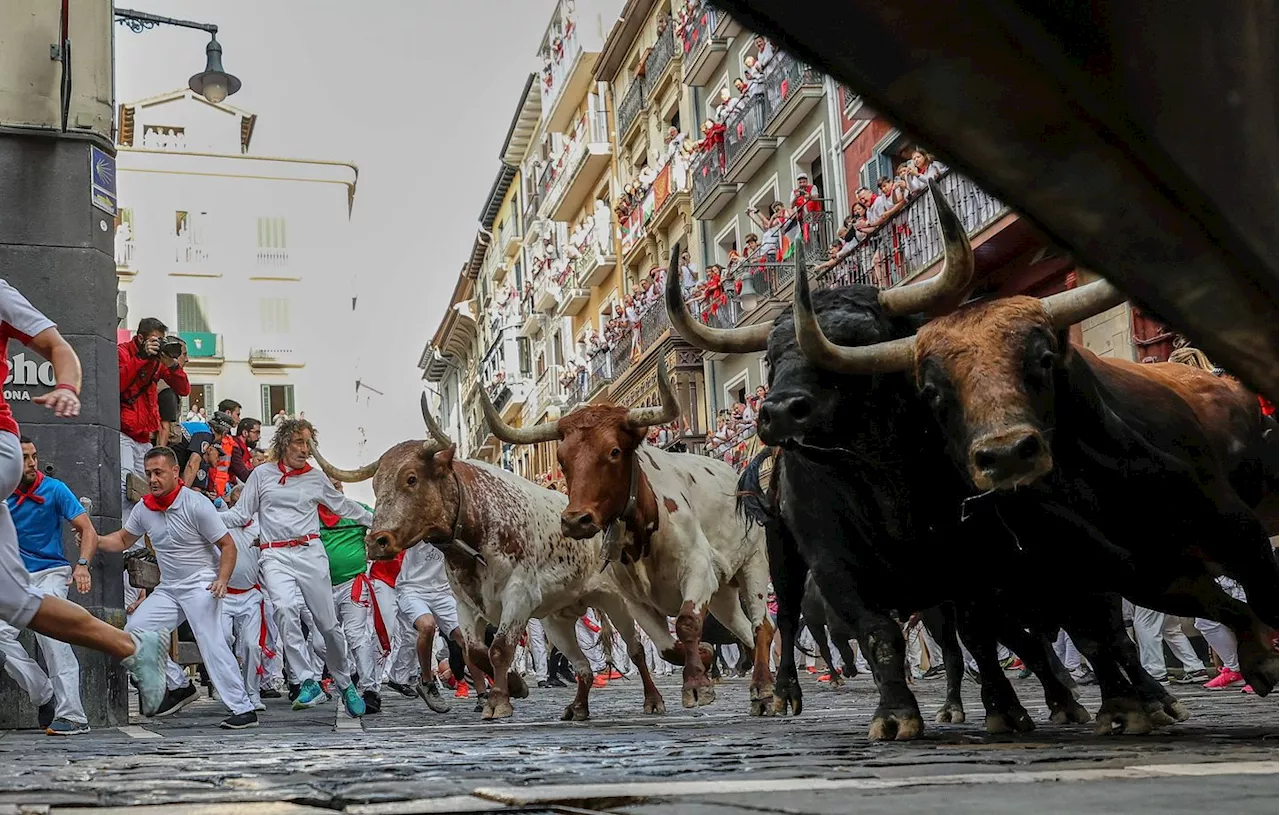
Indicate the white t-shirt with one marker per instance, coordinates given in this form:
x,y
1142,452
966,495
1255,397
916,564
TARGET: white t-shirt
x,y
422,569
288,511
183,535
245,575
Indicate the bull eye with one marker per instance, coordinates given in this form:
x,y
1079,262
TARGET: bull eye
x,y
1047,359
615,452
930,393
411,480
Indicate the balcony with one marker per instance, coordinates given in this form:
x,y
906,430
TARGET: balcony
x,y
532,203
593,265
586,159
271,359
659,60
569,79
588,384
546,293
792,90
204,351
547,392
530,317
670,191
573,296
126,256
654,325
726,28
629,110
704,53
192,259
746,147
509,237
711,191
273,257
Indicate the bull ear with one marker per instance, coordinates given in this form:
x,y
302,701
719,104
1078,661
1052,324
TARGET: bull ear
x,y
444,458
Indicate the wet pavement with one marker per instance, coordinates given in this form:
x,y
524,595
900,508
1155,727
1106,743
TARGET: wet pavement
x,y
716,758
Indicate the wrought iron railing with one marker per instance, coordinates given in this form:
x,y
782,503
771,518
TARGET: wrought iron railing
x,y
707,170
784,77
571,47
630,106
698,28
599,373
658,60
744,126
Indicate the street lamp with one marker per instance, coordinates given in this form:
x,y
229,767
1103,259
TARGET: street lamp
x,y
213,83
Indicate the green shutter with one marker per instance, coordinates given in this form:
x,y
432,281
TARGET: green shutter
x,y
288,400
191,315
266,405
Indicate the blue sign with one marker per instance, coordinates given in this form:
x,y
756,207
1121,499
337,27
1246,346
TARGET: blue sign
x,y
102,180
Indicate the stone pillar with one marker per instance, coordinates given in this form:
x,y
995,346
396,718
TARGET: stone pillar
x,y
57,247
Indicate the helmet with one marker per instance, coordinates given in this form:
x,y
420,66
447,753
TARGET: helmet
x,y
221,421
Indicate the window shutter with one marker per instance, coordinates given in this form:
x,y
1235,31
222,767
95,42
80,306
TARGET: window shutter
x,y
526,363
266,405
191,316
288,401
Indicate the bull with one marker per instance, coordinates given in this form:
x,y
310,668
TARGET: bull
x,y
505,557
682,548
868,498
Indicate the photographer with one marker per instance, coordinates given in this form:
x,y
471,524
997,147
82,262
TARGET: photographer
x,y
147,358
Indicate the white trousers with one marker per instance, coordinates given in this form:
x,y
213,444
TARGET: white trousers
x,y
63,680
657,665
1066,651
401,662
19,600
589,642
1151,628
356,619
296,577
189,599
1218,635
132,454
537,639
247,626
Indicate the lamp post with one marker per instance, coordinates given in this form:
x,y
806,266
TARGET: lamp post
x,y
213,83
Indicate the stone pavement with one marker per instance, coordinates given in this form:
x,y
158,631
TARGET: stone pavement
x,y
717,758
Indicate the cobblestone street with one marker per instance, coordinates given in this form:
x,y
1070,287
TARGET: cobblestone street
x,y
407,759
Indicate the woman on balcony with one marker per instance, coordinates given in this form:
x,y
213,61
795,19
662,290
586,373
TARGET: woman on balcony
x,y
921,168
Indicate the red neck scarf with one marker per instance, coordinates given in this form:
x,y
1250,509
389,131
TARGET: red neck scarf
x,y
284,474
23,495
328,517
160,503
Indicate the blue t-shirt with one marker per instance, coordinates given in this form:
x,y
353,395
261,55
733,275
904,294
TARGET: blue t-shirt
x,y
39,525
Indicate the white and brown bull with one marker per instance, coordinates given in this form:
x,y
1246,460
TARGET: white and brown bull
x,y
523,566
677,542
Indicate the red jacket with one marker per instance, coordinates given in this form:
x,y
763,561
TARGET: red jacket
x,y
139,411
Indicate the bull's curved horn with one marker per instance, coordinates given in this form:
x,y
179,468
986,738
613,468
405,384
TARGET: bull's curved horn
x,y
516,435
721,340
884,357
1073,305
437,433
669,409
347,476
957,268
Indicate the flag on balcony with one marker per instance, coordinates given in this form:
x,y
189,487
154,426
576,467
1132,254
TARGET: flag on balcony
x,y
789,238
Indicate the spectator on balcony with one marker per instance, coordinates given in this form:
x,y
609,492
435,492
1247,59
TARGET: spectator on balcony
x,y
923,167
755,400
688,277
726,106
772,227
806,196
751,70
747,89
764,52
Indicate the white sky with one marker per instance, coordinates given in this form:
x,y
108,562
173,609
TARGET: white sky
x,y
418,93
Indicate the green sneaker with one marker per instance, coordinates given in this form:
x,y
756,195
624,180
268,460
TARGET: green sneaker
x,y
309,695
147,667
351,699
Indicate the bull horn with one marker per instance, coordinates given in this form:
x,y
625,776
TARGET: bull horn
x,y
433,426
956,277
1067,308
516,435
668,411
720,340
884,357
346,476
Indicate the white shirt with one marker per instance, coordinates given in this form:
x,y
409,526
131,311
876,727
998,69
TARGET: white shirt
x,y
245,575
288,511
183,535
423,569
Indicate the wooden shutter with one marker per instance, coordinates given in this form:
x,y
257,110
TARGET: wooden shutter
x,y
191,314
526,361
267,415
289,407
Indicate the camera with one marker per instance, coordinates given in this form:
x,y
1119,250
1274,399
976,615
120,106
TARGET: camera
x,y
172,346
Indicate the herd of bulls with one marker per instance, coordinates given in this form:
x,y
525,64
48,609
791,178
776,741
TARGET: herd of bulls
x,y
976,465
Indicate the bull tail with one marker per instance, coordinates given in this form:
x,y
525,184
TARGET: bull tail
x,y
752,502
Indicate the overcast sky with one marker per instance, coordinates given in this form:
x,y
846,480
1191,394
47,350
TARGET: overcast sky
x,y
418,93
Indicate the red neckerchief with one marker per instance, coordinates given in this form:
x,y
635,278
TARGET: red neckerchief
x,y
328,517
160,503
284,474
30,493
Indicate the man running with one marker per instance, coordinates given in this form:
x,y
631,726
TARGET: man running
x,y
427,604
185,530
246,619
21,604
353,596
287,493
38,507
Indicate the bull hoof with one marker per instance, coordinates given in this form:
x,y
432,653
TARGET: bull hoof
x,y
516,686
1072,713
1014,720
836,680
655,706
1122,715
575,714
896,727
950,713
1259,666
761,701
1177,711
697,695
501,710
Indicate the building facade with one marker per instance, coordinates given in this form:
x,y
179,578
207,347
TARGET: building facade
x,y
243,256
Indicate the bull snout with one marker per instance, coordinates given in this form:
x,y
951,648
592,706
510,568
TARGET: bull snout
x,y
1009,460
784,418
579,524
381,545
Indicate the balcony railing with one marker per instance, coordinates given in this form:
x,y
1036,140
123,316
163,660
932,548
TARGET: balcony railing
x,y
273,358
658,60
786,75
653,324
571,48
126,251
191,254
592,129
273,257
698,29
708,173
599,373
744,126
547,391
532,201
630,106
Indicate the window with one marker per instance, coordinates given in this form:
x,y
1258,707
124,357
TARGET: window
x,y
191,230
201,397
877,167
276,398
557,349
192,314
273,246
736,390
122,310
164,137
526,363
124,238
727,241
274,312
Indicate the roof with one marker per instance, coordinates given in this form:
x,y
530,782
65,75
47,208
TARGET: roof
x,y
493,201
126,135
523,123
453,335
623,34
478,249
